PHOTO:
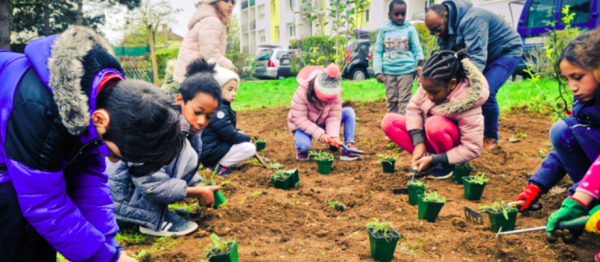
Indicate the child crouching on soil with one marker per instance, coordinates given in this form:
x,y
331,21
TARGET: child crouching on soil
x,y
316,111
144,200
224,145
444,117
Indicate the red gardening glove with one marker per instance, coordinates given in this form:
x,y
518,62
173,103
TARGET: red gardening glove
x,y
530,194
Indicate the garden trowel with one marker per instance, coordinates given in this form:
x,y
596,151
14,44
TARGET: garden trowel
x,y
351,150
477,217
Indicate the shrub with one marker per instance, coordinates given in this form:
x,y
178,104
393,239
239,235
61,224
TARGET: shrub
x,y
427,41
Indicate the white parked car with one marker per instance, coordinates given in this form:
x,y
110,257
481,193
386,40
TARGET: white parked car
x,y
273,63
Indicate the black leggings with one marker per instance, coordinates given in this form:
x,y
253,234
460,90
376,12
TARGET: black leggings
x,y
18,239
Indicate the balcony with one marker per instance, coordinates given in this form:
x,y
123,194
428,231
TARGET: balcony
x,y
252,50
253,25
244,28
245,49
245,4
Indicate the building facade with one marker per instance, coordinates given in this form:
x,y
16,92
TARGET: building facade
x,y
274,23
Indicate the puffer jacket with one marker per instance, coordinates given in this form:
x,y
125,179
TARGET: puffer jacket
x,y
591,182
145,200
486,35
463,106
220,134
49,148
206,39
303,116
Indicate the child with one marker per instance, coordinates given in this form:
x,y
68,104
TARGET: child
x,y
206,39
144,200
444,117
224,145
316,111
394,63
65,106
575,138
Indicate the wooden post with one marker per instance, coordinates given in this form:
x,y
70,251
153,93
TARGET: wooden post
x,y
153,55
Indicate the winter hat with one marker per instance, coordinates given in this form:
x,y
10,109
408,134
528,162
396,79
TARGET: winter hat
x,y
207,1
328,84
224,75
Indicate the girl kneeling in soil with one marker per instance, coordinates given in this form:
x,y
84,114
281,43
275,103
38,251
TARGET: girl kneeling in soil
x,y
575,138
224,145
316,111
444,117
144,200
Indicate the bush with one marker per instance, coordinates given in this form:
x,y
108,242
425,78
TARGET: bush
x,y
539,59
162,56
241,61
427,41
326,50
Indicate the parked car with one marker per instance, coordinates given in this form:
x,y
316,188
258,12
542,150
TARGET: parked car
x,y
273,64
358,55
534,21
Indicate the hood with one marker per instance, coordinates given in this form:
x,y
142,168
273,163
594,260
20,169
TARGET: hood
x,y
456,10
206,10
58,62
460,102
307,74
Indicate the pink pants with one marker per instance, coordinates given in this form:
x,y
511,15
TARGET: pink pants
x,y
441,134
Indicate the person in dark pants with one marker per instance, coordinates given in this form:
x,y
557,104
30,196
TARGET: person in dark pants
x,y
64,109
494,46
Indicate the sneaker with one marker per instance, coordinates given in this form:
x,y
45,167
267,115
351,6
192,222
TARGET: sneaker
x,y
222,171
489,143
441,171
173,225
347,156
302,156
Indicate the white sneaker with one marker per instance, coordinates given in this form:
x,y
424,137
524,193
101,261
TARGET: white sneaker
x,y
173,225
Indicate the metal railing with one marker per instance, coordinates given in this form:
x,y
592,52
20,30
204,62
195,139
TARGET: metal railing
x,y
144,74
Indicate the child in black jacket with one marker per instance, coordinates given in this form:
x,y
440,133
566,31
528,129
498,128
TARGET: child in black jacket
x,y
224,146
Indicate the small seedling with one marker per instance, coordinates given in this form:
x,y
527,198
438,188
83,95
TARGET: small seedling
x,y
478,179
321,156
386,158
379,227
220,246
432,196
498,207
520,134
280,175
415,183
261,140
275,166
464,165
337,205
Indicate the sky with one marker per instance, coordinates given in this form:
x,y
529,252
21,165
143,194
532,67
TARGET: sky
x,y
116,19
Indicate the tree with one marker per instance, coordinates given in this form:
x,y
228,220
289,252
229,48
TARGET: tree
x,y
233,39
4,25
130,4
155,14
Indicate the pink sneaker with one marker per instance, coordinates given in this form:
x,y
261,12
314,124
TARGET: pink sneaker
x,y
347,156
302,156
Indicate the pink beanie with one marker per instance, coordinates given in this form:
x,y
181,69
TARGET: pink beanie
x,y
328,82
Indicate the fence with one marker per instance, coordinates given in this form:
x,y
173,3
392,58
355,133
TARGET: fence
x,y
140,74
131,51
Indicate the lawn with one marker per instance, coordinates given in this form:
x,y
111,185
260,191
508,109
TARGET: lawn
x,y
258,94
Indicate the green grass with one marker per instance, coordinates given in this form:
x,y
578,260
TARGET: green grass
x,y
258,94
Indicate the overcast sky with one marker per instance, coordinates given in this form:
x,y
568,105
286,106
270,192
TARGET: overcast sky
x,y
188,6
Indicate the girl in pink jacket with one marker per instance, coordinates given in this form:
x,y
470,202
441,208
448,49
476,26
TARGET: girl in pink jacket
x,y
444,117
206,38
316,111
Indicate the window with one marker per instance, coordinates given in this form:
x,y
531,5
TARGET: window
x,y
367,14
540,13
262,36
581,9
291,3
264,55
279,54
261,12
274,8
292,30
276,33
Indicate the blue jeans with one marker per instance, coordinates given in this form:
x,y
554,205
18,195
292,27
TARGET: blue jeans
x,y
348,119
496,73
576,146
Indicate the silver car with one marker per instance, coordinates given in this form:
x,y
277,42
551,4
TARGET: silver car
x,y
273,64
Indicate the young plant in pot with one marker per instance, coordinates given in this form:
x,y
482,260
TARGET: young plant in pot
x,y
388,162
430,205
286,179
415,188
223,250
474,186
501,216
382,239
260,144
337,205
324,161
461,170
219,197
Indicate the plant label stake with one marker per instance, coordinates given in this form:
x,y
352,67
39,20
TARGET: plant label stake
x,y
473,216
354,151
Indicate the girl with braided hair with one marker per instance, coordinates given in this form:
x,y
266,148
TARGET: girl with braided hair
x,y
443,123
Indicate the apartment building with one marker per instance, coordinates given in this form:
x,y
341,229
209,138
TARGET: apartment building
x,y
274,23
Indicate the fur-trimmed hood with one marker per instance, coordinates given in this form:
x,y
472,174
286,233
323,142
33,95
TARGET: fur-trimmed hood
x,y
58,60
467,94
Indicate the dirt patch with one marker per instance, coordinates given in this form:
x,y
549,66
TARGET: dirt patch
x,y
299,225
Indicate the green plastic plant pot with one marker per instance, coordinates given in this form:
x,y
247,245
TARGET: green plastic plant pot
x,y
388,166
291,181
460,172
260,145
429,210
324,166
382,248
413,194
219,198
232,256
473,191
498,220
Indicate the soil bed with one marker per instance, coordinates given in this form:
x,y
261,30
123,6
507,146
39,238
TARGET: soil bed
x,y
298,225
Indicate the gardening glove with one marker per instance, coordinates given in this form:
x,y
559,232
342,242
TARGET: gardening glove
x,y
570,209
531,194
593,225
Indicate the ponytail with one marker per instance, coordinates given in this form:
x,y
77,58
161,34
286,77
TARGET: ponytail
x,y
445,65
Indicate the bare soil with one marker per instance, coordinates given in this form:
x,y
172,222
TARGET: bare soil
x,y
298,225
